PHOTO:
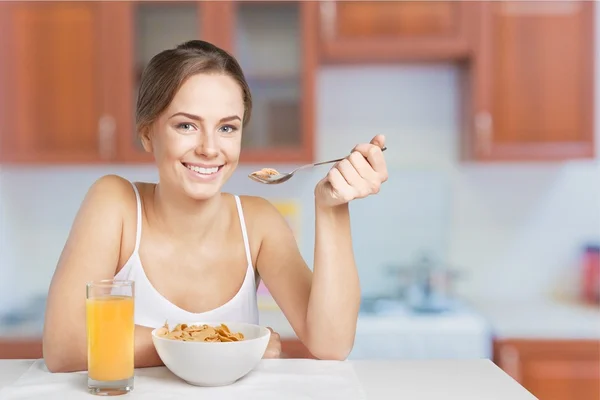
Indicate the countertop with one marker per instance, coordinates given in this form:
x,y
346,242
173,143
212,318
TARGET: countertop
x,y
539,318
505,318
419,380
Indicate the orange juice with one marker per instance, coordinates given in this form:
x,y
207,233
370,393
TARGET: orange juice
x,y
110,333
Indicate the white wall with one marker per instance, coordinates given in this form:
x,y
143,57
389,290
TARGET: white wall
x,y
515,229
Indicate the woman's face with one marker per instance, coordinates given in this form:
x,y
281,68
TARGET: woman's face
x,y
196,142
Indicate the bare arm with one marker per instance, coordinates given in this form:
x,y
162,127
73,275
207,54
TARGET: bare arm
x,y
322,306
324,301
335,296
91,253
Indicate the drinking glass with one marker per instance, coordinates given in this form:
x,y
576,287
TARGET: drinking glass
x,y
110,336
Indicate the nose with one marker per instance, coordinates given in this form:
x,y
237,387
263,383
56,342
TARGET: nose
x,y
208,145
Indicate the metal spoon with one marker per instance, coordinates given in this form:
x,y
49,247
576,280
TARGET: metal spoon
x,y
278,177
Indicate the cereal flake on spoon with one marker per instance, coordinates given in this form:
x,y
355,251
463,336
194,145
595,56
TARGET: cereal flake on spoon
x,y
265,173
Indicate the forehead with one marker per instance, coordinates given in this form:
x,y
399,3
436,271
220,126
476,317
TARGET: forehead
x,y
209,95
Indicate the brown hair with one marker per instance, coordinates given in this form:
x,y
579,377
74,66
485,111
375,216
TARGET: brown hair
x,y
169,69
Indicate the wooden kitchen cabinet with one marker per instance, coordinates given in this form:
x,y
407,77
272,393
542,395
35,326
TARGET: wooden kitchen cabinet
x,y
74,72
13,348
530,82
552,369
392,31
53,75
276,44
293,348
140,30
21,349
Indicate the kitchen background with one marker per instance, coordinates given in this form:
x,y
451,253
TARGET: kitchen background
x,y
515,229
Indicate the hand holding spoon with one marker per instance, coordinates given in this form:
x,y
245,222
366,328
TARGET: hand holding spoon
x,y
270,176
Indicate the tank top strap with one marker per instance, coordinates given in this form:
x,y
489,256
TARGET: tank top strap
x,y
244,232
138,231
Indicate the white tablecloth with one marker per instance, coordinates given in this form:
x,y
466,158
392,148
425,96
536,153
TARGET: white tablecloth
x,y
274,380
293,379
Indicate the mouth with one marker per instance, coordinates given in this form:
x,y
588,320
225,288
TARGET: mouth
x,y
203,171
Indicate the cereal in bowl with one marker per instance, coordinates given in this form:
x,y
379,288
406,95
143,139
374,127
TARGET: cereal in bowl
x,y
199,333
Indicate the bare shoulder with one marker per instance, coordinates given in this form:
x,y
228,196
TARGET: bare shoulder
x,y
109,192
112,185
259,209
264,220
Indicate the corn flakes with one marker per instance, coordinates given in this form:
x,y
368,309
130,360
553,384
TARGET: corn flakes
x,y
266,173
200,333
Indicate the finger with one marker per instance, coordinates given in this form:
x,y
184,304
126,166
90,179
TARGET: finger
x,y
362,166
274,335
375,157
379,141
272,353
370,178
351,175
339,185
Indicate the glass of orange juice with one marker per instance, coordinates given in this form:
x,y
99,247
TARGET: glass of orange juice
x,y
110,336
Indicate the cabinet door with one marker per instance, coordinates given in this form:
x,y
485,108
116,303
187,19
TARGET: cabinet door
x,y
20,348
533,81
553,369
52,72
275,44
368,31
139,31
293,348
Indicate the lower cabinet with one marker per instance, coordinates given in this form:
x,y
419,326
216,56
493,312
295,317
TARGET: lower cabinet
x,y
20,348
293,348
552,369
13,348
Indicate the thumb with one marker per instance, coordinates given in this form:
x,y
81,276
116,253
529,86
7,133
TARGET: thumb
x,y
378,140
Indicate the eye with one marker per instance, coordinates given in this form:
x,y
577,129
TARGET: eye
x,y
228,128
185,126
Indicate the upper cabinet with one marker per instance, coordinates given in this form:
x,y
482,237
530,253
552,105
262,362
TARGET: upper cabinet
x,y
141,30
73,74
531,82
52,78
275,44
388,31
70,70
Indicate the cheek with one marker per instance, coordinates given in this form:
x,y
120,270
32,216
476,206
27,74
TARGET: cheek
x,y
232,148
171,146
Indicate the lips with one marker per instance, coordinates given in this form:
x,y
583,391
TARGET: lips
x,y
205,170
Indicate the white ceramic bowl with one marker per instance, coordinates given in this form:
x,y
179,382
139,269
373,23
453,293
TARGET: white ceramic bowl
x,y
214,363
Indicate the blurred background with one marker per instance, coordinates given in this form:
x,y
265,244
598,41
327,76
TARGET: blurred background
x,y
484,243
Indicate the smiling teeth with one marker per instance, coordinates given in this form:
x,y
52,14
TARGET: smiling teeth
x,y
200,170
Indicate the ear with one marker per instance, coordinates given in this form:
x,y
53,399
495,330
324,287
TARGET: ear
x,y
146,138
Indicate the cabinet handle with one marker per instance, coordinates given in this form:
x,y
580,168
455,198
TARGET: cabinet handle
x,y
106,137
328,18
484,131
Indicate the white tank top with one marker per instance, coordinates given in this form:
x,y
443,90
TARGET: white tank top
x,y
152,309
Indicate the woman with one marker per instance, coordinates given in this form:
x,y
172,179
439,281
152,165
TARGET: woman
x,y
196,253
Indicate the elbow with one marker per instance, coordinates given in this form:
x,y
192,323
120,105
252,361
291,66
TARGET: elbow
x,y
333,351
56,360
54,363
332,355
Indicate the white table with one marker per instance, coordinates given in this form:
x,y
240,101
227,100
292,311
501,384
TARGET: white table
x,y
415,380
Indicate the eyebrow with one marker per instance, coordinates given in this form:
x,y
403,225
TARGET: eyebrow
x,y
198,118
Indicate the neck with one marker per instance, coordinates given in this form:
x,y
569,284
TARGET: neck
x,y
184,217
